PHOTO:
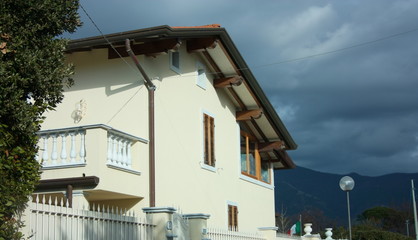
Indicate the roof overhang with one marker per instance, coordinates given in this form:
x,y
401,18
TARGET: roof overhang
x,y
218,49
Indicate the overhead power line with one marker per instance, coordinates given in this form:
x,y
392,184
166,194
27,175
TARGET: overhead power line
x,y
338,50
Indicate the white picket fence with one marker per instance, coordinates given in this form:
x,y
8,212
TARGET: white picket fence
x,y
220,234
54,219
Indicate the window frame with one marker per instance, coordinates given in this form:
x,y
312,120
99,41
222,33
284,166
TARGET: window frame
x,y
232,215
201,78
173,67
258,162
209,137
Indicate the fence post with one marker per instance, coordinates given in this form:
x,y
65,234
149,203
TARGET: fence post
x,y
197,225
162,218
269,233
27,219
79,199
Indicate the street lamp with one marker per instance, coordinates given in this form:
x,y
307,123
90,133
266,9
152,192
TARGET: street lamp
x,y
415,209
347,184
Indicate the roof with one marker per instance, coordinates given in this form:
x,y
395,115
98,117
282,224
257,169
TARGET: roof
x,y
215,44
204,26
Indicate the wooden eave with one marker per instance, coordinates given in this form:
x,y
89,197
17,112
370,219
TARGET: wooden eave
x,y
153,48
201,44
250,117
247,115
235,80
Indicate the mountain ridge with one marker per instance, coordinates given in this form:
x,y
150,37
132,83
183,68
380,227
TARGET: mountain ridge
x,y
303,189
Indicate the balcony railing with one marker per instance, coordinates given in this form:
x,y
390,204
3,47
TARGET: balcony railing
x,y
66,147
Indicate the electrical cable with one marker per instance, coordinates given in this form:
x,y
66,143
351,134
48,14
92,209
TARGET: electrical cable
x,y
337,50
111,45
105,38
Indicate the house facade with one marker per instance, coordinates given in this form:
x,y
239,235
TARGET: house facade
x,y
210,146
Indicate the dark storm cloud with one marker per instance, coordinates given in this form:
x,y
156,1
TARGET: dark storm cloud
x,y
351,104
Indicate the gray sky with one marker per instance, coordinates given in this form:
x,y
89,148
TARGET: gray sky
x,y
343,75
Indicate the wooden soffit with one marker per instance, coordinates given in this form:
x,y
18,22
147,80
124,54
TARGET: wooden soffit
x,y
201,44
149,48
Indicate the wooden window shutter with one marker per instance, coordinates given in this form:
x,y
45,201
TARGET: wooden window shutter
x,y
233,217
212,141
209,141
206,140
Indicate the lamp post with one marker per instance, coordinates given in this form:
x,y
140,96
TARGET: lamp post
x,y
347,184
415,209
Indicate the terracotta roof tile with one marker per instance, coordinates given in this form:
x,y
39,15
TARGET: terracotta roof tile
x,y
204,26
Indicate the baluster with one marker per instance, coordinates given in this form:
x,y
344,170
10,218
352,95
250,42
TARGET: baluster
x,y
54,154
124,155
115,152
120,148
45,153
129,157
82,148
64,148
109,148
73,153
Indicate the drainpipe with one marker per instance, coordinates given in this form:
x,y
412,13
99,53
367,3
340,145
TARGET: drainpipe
x,y
151,89
69,193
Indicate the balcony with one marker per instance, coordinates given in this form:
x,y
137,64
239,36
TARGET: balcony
x,y
79,146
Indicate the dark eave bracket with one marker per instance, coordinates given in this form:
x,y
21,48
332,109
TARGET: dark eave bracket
x,y
201,44
270,146
228,81
153,48
248,114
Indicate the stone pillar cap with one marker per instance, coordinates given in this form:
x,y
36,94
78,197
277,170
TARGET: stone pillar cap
x,y
159,210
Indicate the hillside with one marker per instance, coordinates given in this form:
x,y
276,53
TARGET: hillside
x,y
302,189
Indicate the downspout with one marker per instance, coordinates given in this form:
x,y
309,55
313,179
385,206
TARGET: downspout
x,y
151,89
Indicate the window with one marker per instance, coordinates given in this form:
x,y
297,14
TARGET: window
x,y
251,163
233,217
175,61
209,140
201,76
265,172
249,156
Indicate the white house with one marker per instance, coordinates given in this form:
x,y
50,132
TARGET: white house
x,y
211,143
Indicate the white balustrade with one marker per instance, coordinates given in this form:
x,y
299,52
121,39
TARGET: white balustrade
x,y
57,142
67,147
119,151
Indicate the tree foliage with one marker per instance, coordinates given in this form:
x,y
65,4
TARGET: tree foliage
x,y
367,232
33,74
386,218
